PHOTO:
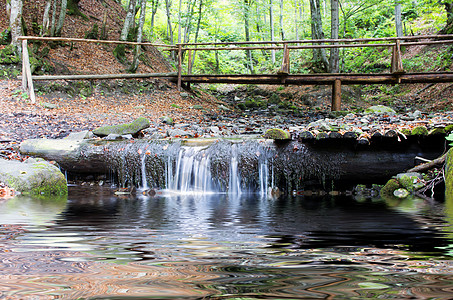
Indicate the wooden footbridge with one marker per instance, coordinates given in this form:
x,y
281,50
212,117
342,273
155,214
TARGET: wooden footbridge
x,y
184,76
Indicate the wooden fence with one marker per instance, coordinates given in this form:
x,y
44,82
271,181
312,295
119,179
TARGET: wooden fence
x,y
396,73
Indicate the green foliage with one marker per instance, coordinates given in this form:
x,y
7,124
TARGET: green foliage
x,y
93,33
5,37
450,138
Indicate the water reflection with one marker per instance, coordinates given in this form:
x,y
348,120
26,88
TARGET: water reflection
x,y
97,244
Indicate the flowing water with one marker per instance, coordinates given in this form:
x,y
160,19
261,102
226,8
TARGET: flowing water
x,y
97,244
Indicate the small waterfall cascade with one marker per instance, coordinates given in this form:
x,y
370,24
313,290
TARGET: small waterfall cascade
x,y
234,184
192,171
221,166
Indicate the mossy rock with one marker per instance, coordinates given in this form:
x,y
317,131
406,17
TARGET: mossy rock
x,y
277,134
419,130
409,181
130,128
33,177
380,109
388,189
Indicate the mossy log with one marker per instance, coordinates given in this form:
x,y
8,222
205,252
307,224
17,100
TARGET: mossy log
x,y
294,163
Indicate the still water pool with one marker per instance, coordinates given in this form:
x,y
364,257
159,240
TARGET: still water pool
x,y
94,245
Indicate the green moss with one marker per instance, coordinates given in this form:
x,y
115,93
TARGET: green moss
x,y
448,128
406,131
449,175
389,188
129,128
8,55
120,53
277,134
407,182
419,130
437,131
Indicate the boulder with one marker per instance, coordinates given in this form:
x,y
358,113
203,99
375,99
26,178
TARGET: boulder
x,y
380,109
277,134
33,177
123,129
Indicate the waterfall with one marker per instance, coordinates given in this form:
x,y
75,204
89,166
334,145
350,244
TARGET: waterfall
x,y
143,169
234,184
263,176
192,172
220,166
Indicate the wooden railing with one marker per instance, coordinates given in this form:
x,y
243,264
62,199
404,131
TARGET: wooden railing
x,y
396,75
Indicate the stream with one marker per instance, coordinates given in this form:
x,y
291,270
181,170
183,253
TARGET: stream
x,y
98,245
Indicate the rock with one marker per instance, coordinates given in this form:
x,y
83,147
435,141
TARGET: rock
x,y
77,136
410,181
380,109
197,106
166,120
388,189
401,193
130,128
419,130
179,133
33,177
320,125
49,105
277,134
214,129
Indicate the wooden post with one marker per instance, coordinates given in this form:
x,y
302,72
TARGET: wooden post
x,y
24,72
336,95
397,63
284,70
27,69
179,67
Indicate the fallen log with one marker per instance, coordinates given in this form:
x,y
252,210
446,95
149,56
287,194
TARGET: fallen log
x,y
293,164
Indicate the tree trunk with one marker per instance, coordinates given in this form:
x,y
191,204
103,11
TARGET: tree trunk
x,y
271,23
141,22
200,9
15,23
128,21
188,27
398,22
247,34
154,6
282,31
448,29
296,20
320,62
45,19
335,26
64,4
54,18
169,27
179,22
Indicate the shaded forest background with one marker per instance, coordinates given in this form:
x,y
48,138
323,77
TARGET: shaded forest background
x,y
171,22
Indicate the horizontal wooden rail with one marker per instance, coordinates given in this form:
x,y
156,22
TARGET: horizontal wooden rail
x,y
105,76
363,40
91,41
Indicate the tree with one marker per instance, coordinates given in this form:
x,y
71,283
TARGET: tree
x,y
320,62
398,22
15,23
64,4
154,7
141,22
169,27
129,20
282,31
45,18
271,24
247,34
448,29
334,62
